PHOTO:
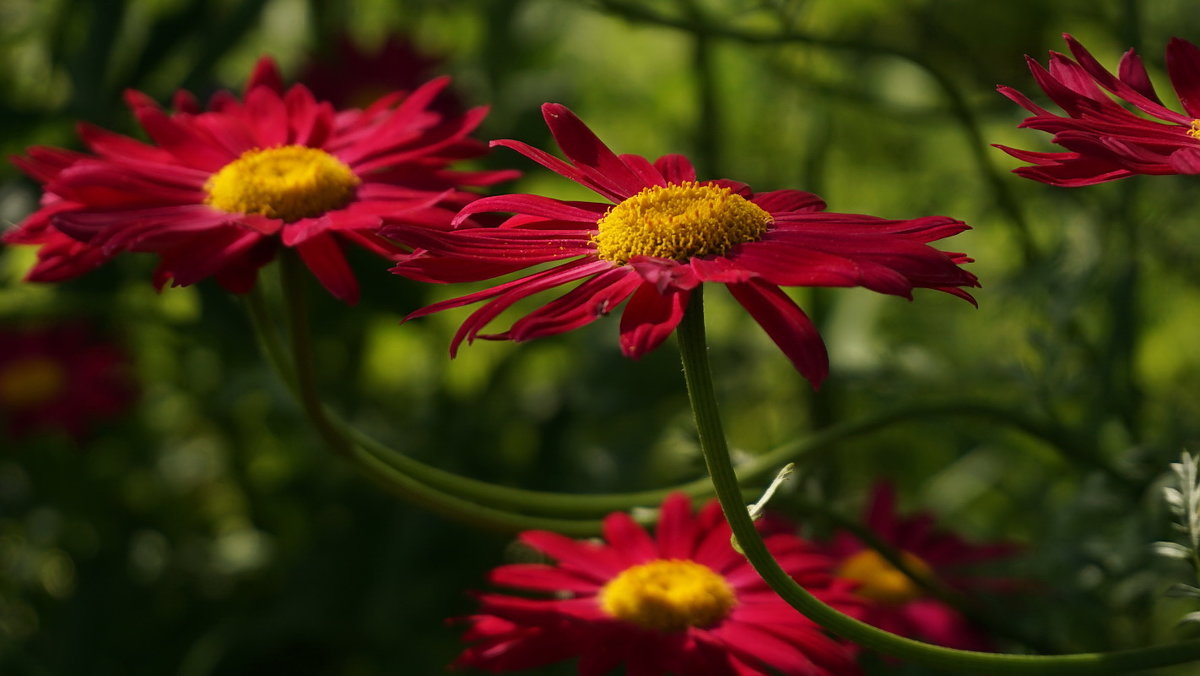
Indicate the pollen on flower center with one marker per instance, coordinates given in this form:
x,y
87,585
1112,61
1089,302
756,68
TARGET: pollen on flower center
x,y
880,581
287,182
678,221
668,595
31,382
1194,132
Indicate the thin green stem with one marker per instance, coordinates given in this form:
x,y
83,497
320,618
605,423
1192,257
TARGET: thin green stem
x,y
341,435
447,504
459,509
573,505
303,363
933,586
693,350
268,339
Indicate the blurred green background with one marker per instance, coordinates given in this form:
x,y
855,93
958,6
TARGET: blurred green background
x,y
209,532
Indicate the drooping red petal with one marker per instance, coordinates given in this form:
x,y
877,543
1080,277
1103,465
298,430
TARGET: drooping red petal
x,y
323,256
649,318
788,327
582,305
505,296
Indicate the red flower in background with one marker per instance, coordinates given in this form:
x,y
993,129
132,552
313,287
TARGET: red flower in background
x,y
682,602
353,77
1105,139
894,601
217,191
661,235
60,377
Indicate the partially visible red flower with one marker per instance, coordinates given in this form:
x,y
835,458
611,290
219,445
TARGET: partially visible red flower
x,y
352,77
1109,139
661,235
895,602
682,602
219,190
60,377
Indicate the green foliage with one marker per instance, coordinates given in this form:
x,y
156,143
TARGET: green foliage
x,y
210,531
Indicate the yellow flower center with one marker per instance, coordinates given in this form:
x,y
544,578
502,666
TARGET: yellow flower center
x,y
668,595
31,382
678,221
880,581
288,182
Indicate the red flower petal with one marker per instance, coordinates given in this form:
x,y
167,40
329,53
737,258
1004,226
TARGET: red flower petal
x,y
649,318
582,305
1183,65
676,168
535,205
539,576
596,561
787,325
323,256
628,539
265,74
589,153
676,530
509,295
789,201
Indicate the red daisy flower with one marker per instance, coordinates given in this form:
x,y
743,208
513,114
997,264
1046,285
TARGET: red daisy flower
x,y
218,190
1105,139
683,602
895,602
663,234
60,377
354,77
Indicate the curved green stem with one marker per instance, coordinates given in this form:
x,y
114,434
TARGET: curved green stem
x,y
447,504
693,350
268,339
936,588
303,363
574,505
459,509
